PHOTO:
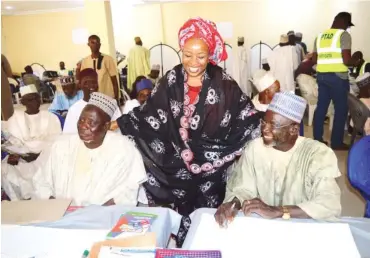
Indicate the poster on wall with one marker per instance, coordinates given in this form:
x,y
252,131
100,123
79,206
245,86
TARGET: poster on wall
x,y
80,36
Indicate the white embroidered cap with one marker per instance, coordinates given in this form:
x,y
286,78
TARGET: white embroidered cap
x,y
288,105
27,89
104,102
241,39
156,67
266,81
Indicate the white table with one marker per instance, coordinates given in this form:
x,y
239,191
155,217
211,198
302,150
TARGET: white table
x,y
360,228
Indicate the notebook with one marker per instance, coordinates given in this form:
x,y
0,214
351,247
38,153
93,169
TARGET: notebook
x,y
175,253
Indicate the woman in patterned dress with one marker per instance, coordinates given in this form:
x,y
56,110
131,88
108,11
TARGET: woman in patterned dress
x,y
193,126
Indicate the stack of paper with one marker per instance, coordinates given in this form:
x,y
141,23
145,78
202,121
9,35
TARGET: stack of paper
x,y
256,237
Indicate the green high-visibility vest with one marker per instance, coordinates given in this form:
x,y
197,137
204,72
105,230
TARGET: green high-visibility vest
x,y
362,71
329,53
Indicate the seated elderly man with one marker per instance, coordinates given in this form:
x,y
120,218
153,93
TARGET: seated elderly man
x,y
63,101
27,134
283,175
267,86
94,167
89,85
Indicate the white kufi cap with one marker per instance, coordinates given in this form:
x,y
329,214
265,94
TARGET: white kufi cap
x,y
104,102
27,89
265,82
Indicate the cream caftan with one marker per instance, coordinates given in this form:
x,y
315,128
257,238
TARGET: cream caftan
x,y
27,134
114,170
303,176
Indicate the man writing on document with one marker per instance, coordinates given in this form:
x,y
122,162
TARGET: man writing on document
x,y
283,175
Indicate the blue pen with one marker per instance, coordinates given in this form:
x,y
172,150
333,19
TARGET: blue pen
x,y
85,254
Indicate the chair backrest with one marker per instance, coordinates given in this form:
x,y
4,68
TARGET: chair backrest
x,y
308,86
359,112
359,166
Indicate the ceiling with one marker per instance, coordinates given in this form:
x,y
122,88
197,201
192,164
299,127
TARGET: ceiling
x,y
24,7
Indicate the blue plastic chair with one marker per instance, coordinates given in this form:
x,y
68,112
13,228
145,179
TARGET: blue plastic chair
x,y
61,119
359,169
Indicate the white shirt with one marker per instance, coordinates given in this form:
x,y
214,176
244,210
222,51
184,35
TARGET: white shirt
x,y
130,105
74,112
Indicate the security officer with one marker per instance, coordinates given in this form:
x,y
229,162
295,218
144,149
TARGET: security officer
x,y
362,67
332,53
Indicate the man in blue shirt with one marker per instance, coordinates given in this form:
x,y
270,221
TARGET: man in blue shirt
x,y
63,101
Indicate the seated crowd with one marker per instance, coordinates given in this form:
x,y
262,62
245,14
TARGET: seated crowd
x,y
175,144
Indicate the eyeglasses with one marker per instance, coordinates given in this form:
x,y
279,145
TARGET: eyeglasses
x,y
275,125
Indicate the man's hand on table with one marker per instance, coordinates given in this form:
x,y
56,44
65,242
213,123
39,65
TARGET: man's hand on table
x,y
227,212
259,207
13,159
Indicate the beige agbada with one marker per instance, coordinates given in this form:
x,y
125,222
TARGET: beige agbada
x,y
303,176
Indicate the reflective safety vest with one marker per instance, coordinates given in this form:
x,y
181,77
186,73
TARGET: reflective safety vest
x,y
329,52
362,71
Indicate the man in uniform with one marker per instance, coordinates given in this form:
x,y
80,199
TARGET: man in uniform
x,y
332,53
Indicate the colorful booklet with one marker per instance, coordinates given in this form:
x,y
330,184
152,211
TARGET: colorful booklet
x,y
132,222
178,253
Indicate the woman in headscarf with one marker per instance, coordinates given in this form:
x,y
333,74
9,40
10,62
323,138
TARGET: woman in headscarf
x,y
193,126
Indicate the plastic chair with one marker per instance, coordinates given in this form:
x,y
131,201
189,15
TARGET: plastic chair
x,y
359,113
359,169
309,91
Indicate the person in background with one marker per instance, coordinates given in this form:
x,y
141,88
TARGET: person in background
x,y
30,78
28,134
62,69
140,94
105,67
332,53
94,167
89,85
283,175
298,47
267,86
64,100
193,126
241,67
138,62
363,83
154,74
7,108
362,67
283,61
306,67
298,40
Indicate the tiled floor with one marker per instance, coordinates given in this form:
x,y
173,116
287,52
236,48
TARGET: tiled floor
x,y
352,202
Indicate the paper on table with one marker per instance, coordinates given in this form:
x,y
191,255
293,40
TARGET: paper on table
x,y
275,238
39,242
33,211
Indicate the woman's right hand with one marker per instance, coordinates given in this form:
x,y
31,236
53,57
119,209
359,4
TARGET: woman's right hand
x,y
227,212
13,159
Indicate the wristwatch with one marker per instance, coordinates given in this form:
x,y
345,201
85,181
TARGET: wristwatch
x,y
286,213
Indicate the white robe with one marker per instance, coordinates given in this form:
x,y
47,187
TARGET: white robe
x,y
130,105
241,70
283,61
27,134
74,112
114,170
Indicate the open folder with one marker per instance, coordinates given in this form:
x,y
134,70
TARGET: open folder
x,y
33,211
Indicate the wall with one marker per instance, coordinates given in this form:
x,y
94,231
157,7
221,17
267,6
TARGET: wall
x,y
46,38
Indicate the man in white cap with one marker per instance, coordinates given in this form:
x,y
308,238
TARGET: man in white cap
x,y
283,175
267,86
28,134
94,167
138,62
241,67
154,74
283,61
